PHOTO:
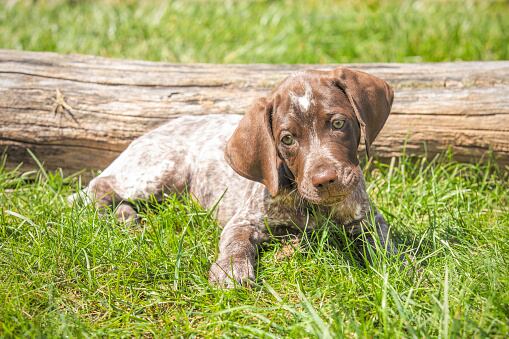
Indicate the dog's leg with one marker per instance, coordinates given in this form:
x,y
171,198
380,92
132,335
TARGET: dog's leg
x,y
382,229
237,255
363,230
101,191
126,213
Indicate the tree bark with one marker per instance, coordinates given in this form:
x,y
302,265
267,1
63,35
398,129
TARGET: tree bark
x,y
75,111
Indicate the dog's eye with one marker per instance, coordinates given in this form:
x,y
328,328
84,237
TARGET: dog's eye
x,y
338,123
287,140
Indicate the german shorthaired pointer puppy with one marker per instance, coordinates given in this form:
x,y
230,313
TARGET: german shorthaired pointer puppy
x,y
293,152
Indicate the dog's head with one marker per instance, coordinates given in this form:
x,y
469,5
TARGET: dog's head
x,y
309,130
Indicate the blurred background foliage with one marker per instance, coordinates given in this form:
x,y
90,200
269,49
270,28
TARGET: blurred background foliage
x,y
309,31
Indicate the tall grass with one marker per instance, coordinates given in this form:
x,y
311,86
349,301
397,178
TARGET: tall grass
x,y
324,31
68,272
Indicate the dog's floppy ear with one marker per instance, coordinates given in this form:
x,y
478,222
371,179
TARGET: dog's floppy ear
x,y
251,150
370,97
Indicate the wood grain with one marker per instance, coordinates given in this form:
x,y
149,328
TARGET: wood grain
x,y
76,111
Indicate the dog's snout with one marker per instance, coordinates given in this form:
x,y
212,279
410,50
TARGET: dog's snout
x,y
324,178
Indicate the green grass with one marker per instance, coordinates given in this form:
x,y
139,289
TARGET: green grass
x,y
323,31
67,272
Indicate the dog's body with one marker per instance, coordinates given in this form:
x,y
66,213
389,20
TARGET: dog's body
x,y
185,154
292,153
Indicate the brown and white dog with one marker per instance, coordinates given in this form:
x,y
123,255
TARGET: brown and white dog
x,y
293,151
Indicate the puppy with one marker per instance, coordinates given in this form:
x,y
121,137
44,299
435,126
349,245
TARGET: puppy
x,y
293,152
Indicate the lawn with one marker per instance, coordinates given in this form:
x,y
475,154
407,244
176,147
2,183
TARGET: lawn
x,y
68,272
311,31
65,271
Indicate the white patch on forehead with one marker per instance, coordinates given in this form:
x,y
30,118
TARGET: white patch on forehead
x,y
305,101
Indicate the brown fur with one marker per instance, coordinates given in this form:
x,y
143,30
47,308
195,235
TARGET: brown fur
x,y
267,186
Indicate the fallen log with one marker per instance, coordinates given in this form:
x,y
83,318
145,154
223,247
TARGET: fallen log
x,y
75,111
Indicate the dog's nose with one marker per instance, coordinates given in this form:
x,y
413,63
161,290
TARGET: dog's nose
x,y
324,178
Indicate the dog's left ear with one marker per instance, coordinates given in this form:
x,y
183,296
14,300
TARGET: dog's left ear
x,y
370,97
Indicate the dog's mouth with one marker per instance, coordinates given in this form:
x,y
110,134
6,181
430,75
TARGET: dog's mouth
x,y
331,195
325,197
329,200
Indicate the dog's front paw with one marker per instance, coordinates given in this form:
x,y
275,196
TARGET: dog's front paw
x,y
232,272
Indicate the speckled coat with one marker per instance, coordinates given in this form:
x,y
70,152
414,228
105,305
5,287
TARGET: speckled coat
x,y
262,182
